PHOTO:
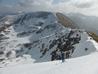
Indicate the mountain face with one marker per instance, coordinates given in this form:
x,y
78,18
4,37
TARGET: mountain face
x,y
41,36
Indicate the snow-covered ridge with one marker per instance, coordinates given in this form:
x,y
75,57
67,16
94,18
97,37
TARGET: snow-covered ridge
x,y
36,35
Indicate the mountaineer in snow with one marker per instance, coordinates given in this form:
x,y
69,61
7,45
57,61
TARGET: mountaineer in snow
x,y
62,56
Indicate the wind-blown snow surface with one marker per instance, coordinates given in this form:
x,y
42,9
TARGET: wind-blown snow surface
x,y
27,40
82,65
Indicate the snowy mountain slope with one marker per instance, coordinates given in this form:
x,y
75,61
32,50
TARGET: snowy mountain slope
x,y
32,37
81,65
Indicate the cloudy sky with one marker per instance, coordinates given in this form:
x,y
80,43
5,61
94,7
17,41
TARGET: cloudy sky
x,y
88,7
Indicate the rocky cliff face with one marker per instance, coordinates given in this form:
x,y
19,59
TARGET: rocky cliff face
x,y
40,35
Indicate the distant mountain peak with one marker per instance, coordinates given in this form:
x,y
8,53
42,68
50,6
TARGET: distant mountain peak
x,y
38,34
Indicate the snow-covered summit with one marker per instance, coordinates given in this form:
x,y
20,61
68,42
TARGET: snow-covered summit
x,y
34,36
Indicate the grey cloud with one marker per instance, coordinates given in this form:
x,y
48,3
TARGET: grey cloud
x,y
34,5
84,5
4,9
25,3
0,1
48,5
